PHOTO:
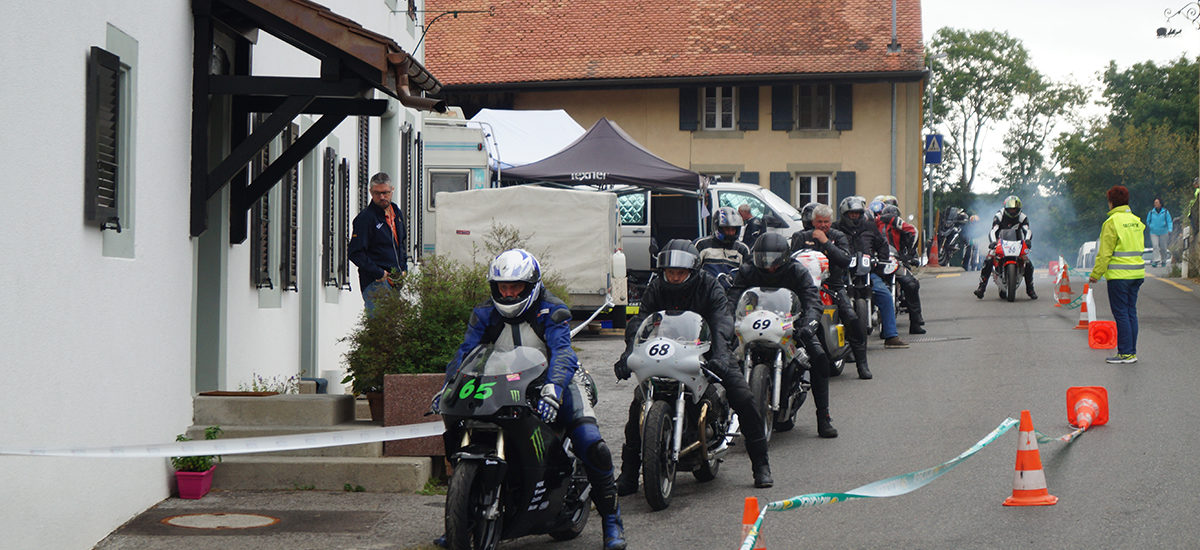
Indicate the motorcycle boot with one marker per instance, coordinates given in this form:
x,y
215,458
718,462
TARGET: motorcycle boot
x,y
1029,284
860,360
757,449
825,424
982,287
631,463
604,496
614,531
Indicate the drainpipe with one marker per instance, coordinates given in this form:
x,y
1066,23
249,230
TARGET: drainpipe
x,y
893,193
389,140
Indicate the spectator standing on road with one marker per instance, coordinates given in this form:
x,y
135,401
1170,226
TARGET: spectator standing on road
x,y
377,241
754,225
1119,259
1158,221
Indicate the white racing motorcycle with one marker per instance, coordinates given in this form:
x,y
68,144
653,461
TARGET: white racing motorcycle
x,y
686,420
763,321
832,329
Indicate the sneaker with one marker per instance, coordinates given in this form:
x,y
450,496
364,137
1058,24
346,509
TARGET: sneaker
x,y
895,343
1122,359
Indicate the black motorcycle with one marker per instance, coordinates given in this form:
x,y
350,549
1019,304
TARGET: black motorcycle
x,y
514,475
861,295
950,235
833,331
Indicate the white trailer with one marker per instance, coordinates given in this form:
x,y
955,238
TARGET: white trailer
x,y
575,234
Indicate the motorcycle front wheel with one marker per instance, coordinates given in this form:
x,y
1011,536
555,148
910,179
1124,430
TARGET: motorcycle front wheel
x,y
862,308
658,470
1010,276
761,380
467,501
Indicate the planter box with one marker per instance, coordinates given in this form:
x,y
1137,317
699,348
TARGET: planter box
x,y
405,400
194,485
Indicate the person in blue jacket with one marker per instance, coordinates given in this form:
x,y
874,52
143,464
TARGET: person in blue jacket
x,y
1159,223
377,241
521,310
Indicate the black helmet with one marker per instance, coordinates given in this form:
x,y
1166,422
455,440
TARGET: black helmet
x,y
806,214
1012,206
852,204
770,252
679,254
889,214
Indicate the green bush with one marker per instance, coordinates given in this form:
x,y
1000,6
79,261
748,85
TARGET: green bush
x,y
196,463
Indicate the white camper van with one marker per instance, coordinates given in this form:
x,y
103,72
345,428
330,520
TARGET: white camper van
x,y
454,157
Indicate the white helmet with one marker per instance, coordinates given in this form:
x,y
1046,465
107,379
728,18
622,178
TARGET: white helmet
x,y
513,266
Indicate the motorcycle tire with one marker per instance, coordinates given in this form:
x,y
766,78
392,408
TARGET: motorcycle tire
x,y
575,528
862,309
466,500
1011,280
658,470
761,380
707,470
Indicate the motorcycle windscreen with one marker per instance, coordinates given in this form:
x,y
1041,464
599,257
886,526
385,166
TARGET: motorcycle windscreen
x,y
680,326
672,345
779,300
490,379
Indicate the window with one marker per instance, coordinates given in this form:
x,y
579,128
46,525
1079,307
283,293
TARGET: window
x,y
722,176
444,181
632,208
813,188
736,199
719,106
814,106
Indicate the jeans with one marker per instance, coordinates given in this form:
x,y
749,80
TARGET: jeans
x,y
1122,298
368,294
1159,242
886,305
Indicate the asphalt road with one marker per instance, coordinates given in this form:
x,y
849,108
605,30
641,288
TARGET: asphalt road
x,y
1133,482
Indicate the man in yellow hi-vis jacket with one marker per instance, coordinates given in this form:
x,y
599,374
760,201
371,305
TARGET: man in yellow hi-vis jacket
x,y
1119,259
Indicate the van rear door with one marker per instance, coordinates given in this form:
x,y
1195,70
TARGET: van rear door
x,y
633,208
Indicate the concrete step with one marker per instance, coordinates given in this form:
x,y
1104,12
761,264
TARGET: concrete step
x,y
376,475
358,450
273,410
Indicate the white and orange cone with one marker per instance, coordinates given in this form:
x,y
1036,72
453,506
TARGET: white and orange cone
x,y
749,516
1063,294
1029,483
1086,313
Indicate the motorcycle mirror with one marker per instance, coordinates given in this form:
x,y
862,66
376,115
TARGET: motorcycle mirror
x,y
910,217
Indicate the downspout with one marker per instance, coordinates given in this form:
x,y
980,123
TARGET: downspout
x,y
893,47
389,141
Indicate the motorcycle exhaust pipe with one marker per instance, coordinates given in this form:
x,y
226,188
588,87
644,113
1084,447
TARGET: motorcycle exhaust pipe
x,y
678,435
778,382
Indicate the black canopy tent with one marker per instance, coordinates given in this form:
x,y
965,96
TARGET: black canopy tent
x,y
603,156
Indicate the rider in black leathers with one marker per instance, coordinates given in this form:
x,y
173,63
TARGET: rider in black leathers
x,y
771,266
835,247
1008,217
701,293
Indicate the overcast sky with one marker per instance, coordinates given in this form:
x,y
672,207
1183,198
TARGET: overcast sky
x,y
1071,39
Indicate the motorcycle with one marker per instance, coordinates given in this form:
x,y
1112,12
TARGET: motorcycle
x,y
833,332
950,235
776,368
686,421
514,475
861,295
1008,262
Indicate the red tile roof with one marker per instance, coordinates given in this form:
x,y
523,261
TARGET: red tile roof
x,y
573,40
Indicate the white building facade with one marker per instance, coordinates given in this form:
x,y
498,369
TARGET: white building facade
x,y
106,336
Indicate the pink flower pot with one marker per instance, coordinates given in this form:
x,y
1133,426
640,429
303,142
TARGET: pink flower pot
x,y
194,485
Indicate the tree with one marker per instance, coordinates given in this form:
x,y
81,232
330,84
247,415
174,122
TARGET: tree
x,y
982,73
1147,93
1040,107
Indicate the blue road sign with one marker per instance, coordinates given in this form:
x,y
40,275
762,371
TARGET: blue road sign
x,y
933,149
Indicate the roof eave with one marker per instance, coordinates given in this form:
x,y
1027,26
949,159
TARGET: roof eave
x,y
678,81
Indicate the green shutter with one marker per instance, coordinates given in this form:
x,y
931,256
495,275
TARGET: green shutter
x,y
783,110
747,108
843,106
689,109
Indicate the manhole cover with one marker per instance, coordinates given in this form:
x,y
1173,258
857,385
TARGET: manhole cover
x,y
220,521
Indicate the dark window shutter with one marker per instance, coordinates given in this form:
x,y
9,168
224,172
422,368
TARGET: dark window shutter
x,y
329,188
343,228
845,185
748,177
783,115
748,108
781,184
364,151
290,226
689,109
419,176
260,222
102,146
843,106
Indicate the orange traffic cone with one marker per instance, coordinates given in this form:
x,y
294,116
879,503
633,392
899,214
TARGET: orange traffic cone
x,y
1084,313
749,516
1102,334
1087,406
1064,289
933,253
1029,484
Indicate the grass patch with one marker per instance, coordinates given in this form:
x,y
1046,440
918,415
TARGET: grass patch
x,y
433,487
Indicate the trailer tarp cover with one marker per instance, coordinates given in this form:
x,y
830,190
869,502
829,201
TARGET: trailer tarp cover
x,y
606,155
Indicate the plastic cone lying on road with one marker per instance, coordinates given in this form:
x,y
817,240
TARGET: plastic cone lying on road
x,y
749,516
1029,483
1087,406
1085,309
1102,334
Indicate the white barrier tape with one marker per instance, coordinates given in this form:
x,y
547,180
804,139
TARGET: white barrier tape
x,y
244,445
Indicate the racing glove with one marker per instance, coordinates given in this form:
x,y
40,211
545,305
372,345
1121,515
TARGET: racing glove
x,y
621,367
435,404
808,329
547,408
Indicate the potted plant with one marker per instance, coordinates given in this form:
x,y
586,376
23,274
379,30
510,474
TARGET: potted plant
x,y
193,474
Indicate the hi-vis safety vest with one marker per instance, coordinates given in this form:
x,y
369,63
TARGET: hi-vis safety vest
x,y
1123,233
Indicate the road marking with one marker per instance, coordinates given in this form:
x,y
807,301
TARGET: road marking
x,y
1170,282
941,275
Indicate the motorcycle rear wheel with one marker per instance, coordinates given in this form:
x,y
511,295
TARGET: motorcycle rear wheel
x,y
1010,276
578,522
761,380
466,501
658,470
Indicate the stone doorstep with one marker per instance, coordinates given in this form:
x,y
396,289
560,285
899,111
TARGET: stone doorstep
x,y
376,475
365,450
274,410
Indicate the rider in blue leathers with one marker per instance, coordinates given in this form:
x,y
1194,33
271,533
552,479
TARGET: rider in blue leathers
x,y
522,312
722,252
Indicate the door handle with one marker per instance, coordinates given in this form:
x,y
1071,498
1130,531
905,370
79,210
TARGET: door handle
x,y
639,231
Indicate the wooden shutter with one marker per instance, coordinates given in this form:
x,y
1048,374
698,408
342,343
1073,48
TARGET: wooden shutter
x,y
364,152
748,177
419,177
689,109
291,222
343,227
845,185
783,112
329,198
102,147
747,108
781,184
260,222
843,106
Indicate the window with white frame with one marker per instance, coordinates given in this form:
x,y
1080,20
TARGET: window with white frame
x,y
719,105
812,188
814,109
